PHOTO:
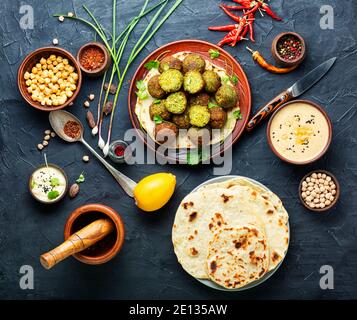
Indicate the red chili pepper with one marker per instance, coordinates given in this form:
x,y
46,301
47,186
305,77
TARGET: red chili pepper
x,y
229,37
245,3
254,9
270,12
239,31
230,14
228,27
235,7
251,27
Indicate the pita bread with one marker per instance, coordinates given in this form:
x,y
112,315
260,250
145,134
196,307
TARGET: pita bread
x,y
237,256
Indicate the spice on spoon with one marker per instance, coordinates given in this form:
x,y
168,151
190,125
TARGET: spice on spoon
x,y
72,129
267,66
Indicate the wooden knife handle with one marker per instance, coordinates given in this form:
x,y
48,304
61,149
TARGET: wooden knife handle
x,y
266,111
78,241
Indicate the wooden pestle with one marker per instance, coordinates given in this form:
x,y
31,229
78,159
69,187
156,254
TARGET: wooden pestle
x,y
77,242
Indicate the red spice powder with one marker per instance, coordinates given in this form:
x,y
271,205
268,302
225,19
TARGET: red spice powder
x,y
92,58
119,151
72,129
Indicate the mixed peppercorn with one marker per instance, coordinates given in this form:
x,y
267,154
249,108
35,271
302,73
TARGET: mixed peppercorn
x,y
289,47
244,23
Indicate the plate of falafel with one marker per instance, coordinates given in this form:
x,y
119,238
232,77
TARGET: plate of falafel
x,y
187,94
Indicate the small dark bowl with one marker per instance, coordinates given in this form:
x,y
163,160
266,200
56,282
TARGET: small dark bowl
x,y
30,61
107,59
60,197
321,153
284,62
107,248
337,195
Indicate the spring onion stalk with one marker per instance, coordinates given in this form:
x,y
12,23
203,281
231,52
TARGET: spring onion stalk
x,y
133,55
95,129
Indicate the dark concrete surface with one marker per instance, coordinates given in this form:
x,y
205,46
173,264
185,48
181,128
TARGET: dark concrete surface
x,y
147,268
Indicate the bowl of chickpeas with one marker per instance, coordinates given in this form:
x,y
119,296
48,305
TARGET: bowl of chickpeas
x,y
49,78
319,190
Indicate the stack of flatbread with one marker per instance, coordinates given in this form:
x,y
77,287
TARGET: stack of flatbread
x,y
232,232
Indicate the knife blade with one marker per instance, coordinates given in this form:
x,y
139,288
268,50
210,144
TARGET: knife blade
x,y
297,89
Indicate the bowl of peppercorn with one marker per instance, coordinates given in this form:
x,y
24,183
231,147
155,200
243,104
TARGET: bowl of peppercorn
x,y
93,59
288,49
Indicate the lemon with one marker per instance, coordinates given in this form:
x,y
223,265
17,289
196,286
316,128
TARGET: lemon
x,y
154,191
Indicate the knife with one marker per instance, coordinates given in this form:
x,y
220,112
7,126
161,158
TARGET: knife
x,y
294,91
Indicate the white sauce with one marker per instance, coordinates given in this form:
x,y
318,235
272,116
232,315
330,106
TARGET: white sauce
x,y
45,180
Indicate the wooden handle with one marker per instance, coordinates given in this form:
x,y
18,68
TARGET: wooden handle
x,y
78,241
266,111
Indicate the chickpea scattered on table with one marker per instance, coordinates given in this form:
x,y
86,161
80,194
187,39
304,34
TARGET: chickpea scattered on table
x,y
318,190
51,81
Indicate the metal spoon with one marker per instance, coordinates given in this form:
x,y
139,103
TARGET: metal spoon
x,y
59,118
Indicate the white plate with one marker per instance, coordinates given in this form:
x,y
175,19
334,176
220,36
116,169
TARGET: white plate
x,y
212,284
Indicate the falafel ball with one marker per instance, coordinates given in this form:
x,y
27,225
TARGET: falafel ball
x,y
199,136
182,120
194,62
159,109
193,82
165,131
227,96
170,63
201,99
176,103
154,88
171,80
212,81
199,116
218,117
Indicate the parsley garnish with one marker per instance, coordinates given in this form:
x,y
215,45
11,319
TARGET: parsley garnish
x,y
152,65
53,194
213,53
237,115
212,105
81,178
234,79
54,182
158,119
142,94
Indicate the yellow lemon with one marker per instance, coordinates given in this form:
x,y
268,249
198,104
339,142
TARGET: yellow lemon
x,y
154,191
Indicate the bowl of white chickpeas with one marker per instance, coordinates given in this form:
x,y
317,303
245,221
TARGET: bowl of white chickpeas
x,y
49,78
319,190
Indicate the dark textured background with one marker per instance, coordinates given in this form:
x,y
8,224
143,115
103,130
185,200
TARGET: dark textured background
x,y
147,266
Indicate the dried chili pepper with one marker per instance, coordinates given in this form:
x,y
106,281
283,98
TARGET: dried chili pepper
x,y
254,9
235,7
240,29
270,12
245,3
251,27
267,66
230,14
228,27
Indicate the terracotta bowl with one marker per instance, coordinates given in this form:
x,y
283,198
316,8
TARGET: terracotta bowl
x,y
225,60
284,62
29,62
321,153
106,63
107,248
60,197
336,196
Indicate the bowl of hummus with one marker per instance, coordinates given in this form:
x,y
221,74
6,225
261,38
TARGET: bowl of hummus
x,y
48,183
299,132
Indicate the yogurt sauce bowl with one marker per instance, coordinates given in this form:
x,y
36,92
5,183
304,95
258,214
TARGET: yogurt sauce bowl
x,y
299,132
48,184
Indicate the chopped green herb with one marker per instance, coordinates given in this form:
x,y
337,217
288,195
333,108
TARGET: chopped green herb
x,y
33,184
158,119
213,53
225,79
212,105
234,79
157,101
53,194
81,178
237,115
152,65
55,182
142,94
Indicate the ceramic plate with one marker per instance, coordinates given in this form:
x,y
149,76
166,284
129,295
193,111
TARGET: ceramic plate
x,y
210,283
225,61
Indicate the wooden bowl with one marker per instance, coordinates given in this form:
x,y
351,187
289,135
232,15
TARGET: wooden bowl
x,y
107,59
284,62
225,60
107,248
337,195
58,198
321,153
29,62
